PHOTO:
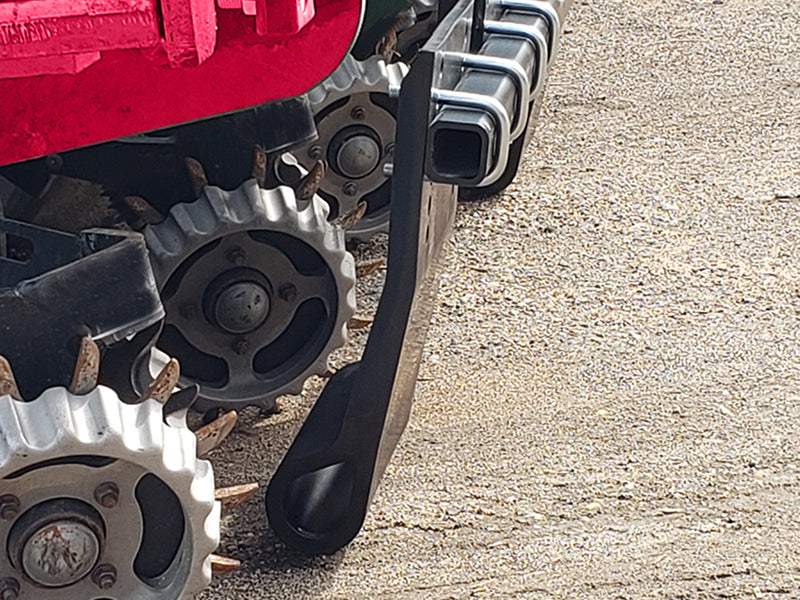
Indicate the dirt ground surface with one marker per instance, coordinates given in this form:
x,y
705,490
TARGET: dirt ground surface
x,y
610,396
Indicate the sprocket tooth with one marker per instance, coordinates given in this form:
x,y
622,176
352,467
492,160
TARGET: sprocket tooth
x,y
212,435
221,565
360,322
352,218
143,210
369,267
197,175
234,496
387,45
259,171
309,185
8,383
87,368
162,387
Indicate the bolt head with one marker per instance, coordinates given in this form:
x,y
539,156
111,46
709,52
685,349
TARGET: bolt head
x,y
287,292
358,113
104,576
107,494
9,589
237,256
350,188
189,310
315,151
240,346
9,507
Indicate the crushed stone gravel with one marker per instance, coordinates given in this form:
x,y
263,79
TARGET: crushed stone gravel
x,y
610,395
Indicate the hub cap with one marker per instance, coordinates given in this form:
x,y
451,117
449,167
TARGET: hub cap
x,y
60,553
241,307
358,157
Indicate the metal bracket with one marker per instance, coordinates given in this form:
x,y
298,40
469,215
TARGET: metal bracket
x,y
542,8
494,108
507,67
540,45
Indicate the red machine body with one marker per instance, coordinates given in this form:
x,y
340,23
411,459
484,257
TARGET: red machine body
x,y
80,72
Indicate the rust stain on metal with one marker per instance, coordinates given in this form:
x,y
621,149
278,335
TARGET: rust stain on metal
x,y
213,434
87,368
368,267
221,565
8,384
165,383
359,322
234,496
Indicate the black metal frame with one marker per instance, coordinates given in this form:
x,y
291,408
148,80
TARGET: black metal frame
x,y
319,496
98,283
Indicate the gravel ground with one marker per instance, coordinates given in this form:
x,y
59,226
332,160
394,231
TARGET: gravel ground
x,y
609,401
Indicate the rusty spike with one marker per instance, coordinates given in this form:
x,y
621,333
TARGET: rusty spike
x,y
212,435
234,496
197,174
221,565
87,368
8,384
388,44
308,185
354,216
260,165
359,322
165,382
368,267
144,210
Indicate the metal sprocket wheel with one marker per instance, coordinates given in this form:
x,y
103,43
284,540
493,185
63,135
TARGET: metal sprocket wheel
x,y
258,290
355,113
102,499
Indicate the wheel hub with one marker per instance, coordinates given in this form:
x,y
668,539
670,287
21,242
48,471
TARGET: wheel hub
x,y
355,113
113,503
241,307
57,543
257,298
358,156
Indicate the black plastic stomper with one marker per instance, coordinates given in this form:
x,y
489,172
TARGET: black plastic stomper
x,y
319,496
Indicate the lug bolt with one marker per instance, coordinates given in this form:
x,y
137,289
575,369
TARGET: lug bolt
x,y
350,188
240,346
107,494
9,589
358,113
389,149
236,256
188,310
104,576
287,292
315,151
9,507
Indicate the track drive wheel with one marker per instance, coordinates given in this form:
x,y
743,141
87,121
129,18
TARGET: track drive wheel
x,y
258,289
101,499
